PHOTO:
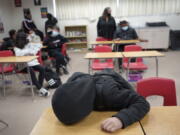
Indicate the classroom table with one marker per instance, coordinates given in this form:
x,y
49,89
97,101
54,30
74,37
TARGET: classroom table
x,y
136,54
49,125
114,42
162,121
106,55
17,60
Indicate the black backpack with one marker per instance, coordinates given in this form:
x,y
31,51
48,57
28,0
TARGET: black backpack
x,y
52,78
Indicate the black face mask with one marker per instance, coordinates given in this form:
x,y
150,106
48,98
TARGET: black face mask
x,y
108,14
49,33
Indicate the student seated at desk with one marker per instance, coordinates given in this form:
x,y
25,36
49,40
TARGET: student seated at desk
x,y
125,32
8,43
104,91
24,48
54,42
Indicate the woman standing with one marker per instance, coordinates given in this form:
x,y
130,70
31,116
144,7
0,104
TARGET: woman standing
x,y
106,25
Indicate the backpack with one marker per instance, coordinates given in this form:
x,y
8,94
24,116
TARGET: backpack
x,y
52,78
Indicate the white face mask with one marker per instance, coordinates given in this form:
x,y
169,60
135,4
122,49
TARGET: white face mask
x,y
55,33
125,28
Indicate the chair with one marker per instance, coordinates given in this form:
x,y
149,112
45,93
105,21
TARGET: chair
x,y
6,69
138,64
158,86
101,39
63,51
97,64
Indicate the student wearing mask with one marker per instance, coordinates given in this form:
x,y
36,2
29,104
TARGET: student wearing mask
x,y
52,21
106,25
54,42
8,43
104,91
125,32
24,48
28,25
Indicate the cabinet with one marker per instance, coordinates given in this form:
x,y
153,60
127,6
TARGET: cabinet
x,y
77,36
158,37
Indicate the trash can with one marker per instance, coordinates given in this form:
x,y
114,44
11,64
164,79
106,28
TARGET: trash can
x,y
175,39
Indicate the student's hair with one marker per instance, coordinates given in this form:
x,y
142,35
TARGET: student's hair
x,y
123,22
49,16
21,40
56,27
105,12
12,32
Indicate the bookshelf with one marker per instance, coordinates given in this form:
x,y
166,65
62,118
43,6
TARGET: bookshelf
x,y
77,36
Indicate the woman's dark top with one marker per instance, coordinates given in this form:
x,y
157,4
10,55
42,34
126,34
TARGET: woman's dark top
x,y
105,28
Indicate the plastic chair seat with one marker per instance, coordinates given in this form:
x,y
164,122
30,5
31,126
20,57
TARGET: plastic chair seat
x,y
7,69
135,66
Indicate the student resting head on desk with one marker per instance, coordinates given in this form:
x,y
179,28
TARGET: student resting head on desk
x,y
104,91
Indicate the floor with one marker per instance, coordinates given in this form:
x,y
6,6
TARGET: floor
x,y
21,112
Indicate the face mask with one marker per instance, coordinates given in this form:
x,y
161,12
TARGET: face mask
x,y
54,33
33,34
125,28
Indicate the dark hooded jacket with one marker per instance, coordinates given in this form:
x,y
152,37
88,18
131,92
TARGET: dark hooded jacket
x,y
112,93
54,43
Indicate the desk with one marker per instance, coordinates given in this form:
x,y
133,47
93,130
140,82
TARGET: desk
x,y
108,55
114,42
17,60
49,125
137,54
162,121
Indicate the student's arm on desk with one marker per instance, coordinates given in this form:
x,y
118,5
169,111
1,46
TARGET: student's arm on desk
x,y
134,109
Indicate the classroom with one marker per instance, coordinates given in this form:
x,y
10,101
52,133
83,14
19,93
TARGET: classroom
x,y
89,67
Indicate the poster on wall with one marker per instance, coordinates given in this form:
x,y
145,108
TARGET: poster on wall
x,y
26,11
18,3
44,12
37,2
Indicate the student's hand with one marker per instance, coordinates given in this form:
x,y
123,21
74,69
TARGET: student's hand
x,y
111,124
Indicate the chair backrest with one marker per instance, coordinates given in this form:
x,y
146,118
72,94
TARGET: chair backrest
x,y
158,86
6,53
131,48
101,39
104,48
39,54
64,49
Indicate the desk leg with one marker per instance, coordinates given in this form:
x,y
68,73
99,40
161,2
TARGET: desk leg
x,y
89,64
157,67
3,81
30,79
127,72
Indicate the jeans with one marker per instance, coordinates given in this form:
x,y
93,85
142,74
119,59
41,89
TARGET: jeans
x,y
60,59
37,82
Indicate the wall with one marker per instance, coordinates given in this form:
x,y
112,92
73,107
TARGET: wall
x,y
172,21
13,16
35,11
5,15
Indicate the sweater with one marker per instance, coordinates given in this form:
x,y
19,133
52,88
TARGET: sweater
x,y
29,49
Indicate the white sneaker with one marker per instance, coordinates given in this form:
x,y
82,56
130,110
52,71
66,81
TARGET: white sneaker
x,y
44,92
